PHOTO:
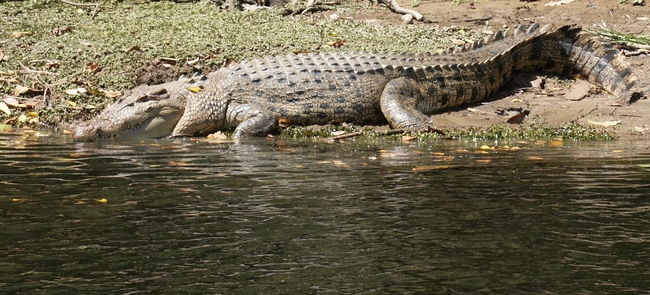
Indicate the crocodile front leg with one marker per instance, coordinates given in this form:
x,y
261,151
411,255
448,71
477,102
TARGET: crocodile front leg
x,y
399,104
251,120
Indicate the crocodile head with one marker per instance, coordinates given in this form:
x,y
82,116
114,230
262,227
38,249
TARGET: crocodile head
x,y
148,112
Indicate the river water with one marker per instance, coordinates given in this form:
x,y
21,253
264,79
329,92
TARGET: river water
x,y
307,217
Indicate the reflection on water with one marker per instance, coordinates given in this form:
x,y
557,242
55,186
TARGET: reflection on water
x,y
297,217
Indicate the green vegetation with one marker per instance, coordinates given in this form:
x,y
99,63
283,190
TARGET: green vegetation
x,y
571,131
620,37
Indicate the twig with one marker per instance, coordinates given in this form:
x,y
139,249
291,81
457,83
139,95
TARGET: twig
x,y
342,136
394,6
92,16
309,7
30,71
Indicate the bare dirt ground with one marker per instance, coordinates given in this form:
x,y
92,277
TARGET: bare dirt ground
x,y
560,100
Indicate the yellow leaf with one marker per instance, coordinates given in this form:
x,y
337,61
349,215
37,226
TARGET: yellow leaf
x,y
535,158
407,138
5,108
22,118
33,114
431,167
556,143
195,89
102,200
71,103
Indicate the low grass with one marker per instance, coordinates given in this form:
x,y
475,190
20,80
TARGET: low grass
x,y
106,52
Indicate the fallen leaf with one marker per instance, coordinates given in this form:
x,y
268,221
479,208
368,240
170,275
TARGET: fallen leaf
x,y
102,200
33,114
11,101
71,103
5,108
217,135
19,35
337,133
112,94
20,89
86,43
229,62
337,43
22,118
641,129
191,62
605,124
556,143
407,138
284,123
195,89
52,64
535,158
61,30
458,42
484,161
431,167
76,91
517,119
559,2
134,48
92,67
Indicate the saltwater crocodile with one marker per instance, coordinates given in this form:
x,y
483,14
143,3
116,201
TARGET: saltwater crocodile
x,y
254,97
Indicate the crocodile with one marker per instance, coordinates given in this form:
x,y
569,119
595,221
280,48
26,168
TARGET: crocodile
x,y
255,97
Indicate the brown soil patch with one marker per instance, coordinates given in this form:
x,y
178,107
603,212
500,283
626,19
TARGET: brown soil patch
x,y
559,100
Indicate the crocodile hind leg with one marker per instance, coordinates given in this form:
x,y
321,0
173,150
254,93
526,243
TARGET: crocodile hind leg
x,y
251,120
399,104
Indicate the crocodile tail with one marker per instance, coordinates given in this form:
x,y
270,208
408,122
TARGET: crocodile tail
x,y
599,62
569,51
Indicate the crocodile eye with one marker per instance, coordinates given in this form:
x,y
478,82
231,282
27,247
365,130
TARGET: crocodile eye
x,y
143,98
159,92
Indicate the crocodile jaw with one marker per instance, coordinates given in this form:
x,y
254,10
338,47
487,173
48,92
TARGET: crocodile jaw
x,y
156,126
150,112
